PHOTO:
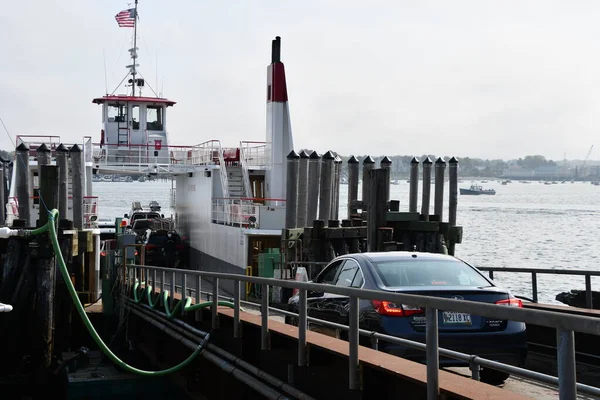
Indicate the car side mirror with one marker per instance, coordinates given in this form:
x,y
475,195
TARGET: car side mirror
x,y
312,293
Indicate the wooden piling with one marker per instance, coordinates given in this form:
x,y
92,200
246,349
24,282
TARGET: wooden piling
x,y
291,193
302,189
440,177
337,168
386,163
77,181
353,167
22,183
426,188
2,196
314,177
377,208
44,155
62,160
453,199
414,185
45,288
368,165
326,187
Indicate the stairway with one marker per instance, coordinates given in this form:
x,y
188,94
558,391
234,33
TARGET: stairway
x,y
235,181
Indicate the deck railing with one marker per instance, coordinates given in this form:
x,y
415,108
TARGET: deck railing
x,y
241,212
254,153
587,274
565,324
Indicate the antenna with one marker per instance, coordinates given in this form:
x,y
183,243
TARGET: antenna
x,y
105,78
133,51
157,71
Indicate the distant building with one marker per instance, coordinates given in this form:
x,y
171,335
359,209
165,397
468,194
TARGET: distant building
x,y
518,172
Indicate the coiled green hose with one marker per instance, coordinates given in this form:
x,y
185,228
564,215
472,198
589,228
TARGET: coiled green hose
x,y
51,228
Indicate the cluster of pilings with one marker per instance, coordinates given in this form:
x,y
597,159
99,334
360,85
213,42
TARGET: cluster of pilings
x,y
6,167
40,324
374,222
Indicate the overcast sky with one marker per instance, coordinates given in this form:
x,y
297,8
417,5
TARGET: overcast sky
x,y
491,79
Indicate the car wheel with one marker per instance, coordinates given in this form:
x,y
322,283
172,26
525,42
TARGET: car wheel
x,y
493,377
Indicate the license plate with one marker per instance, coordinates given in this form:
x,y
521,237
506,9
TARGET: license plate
x,y
456,318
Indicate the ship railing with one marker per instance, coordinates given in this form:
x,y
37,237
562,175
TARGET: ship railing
x,y
245,171
206,153
161,279
34,141
254,153
142,154
534,272
241,212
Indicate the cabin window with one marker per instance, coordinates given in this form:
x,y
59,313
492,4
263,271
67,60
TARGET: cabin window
x,y
135,117
154,118
117,113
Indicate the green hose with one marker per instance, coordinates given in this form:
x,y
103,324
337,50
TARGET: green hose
x,y
65,274
188,307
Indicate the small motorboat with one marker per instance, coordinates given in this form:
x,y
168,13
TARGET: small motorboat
x,y
476,190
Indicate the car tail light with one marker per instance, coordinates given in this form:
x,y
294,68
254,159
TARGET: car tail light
x,y
179,247
103,253
151,246
511,302
393,309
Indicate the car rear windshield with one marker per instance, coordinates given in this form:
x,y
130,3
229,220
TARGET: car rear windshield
x,y
160,239
415,272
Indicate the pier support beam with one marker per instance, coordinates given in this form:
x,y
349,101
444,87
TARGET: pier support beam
x,y
22,183
426,188
326,195
77,179
353,167
302,189
62,160
314,177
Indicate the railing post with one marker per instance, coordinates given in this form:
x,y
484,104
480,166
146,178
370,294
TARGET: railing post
x,y
264,318
588,291
162,284
199,290
183,287
153,280
173,289
236,309
302,322
491,274
433,359
534,287
475,369
353,344
374,341
215,304
565,348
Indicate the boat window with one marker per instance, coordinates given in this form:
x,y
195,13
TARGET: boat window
x,y
154,118
117,113
135,117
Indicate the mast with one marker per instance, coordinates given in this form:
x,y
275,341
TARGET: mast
x,y
134,50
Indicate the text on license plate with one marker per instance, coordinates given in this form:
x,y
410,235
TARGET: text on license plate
x,y
450,317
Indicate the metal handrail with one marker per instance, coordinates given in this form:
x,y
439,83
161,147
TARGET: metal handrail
x,y
565,324
535,271
245,173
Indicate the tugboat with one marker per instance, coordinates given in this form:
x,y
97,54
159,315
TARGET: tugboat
x,y
476,190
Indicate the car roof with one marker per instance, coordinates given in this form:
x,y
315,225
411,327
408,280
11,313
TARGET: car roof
x,y
404,255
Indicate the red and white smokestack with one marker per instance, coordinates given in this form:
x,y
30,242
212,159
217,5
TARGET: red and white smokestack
x,y
279,141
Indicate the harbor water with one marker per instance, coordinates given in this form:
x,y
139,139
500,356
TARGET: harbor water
x,y
530,225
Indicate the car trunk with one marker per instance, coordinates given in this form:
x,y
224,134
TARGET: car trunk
x,y
451,321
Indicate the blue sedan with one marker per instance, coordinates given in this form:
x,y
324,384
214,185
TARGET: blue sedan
x,y
423,274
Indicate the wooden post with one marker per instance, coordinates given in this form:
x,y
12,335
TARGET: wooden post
x,y
302,189
353,167
314,178
22,183
440,177
335,210
426,188
386,163
62,160
45,288
414,185
291,194
368,165
77,179
377,205
2,196
326,188
453,200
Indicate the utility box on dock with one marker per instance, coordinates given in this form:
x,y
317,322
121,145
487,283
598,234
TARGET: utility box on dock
x,y
268,262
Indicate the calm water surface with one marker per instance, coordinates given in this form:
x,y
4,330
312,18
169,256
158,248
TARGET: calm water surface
x,y
524,225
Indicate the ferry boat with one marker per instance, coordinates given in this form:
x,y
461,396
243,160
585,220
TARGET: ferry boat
x,y
230,198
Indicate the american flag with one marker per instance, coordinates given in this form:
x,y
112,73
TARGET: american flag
x,y
126,18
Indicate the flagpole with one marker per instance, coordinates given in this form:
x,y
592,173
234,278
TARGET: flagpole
x,y
134,54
